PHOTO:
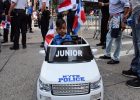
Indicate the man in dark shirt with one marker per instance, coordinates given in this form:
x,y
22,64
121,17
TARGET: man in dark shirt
x,y
104,22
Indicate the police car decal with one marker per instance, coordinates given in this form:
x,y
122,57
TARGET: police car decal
x,y
71,78
62,53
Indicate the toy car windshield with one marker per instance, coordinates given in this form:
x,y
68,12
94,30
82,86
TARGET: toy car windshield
x,y
69,53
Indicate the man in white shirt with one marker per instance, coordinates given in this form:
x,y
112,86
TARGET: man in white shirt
x,y
20,19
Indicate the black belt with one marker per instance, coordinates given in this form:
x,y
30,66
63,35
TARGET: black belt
x,y
18,10
116,14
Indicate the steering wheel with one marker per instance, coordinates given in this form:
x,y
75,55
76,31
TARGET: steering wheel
x,y
68,43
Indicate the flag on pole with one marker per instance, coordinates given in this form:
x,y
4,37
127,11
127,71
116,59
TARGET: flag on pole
x,y
5,24
49,36
80,18
65,5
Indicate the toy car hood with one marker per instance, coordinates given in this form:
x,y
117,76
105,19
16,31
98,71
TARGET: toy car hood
x,y
69,73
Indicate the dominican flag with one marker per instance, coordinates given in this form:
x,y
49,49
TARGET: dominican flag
x,y
65,5
80,18
5,24
49,35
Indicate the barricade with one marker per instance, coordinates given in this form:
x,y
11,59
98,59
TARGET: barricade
x,y
92,25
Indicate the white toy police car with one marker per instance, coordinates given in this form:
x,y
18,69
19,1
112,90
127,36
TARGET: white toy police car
x,y
70,72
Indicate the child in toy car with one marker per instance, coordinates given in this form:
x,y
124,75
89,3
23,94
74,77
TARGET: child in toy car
x,y
62,36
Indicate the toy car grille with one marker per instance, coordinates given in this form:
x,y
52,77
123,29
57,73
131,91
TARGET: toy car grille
x,y
70,89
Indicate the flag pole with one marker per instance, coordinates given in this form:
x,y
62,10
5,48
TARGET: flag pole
x,y
52,19
52,7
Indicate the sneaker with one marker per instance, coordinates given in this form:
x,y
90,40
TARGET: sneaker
x,y
42,42
42,45
113,62
31,32
104,57
0,34
4,41
14,48
129,73
104,46
24,46
100,44
134,83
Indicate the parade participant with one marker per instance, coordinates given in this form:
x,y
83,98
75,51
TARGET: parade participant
x,y
134,71
62,36
45,17
7,24
104,22
29,16
71,16
20,19
119,11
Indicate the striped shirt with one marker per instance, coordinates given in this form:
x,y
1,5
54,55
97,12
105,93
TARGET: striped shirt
x,y
117,6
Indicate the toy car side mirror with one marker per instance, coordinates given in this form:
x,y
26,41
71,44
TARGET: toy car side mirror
x,y
42,52
94,51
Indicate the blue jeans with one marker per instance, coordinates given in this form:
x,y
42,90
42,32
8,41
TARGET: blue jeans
x,y
117,41
135,64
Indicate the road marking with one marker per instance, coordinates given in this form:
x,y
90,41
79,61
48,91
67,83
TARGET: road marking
x,y
122,53
126,42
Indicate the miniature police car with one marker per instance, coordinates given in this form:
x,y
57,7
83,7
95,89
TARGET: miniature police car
x,y
70,72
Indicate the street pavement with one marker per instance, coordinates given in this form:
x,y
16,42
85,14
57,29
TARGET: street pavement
x,y
19,70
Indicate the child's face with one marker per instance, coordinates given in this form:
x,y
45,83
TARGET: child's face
x,y
62,30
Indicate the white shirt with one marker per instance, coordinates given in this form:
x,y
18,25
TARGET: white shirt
x,y
41,1
20,4
117,6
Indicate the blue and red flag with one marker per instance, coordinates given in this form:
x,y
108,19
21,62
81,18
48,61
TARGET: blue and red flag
x,y
65,5
49,36
80,18
5,24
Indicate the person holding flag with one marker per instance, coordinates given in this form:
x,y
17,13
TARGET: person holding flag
x,y
63,8
75,14
80,18
71,16
6,21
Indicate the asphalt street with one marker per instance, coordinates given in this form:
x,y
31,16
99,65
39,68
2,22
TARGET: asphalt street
x,y
19,70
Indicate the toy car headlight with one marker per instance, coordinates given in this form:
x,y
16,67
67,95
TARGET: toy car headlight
x,y
44,87
95,85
